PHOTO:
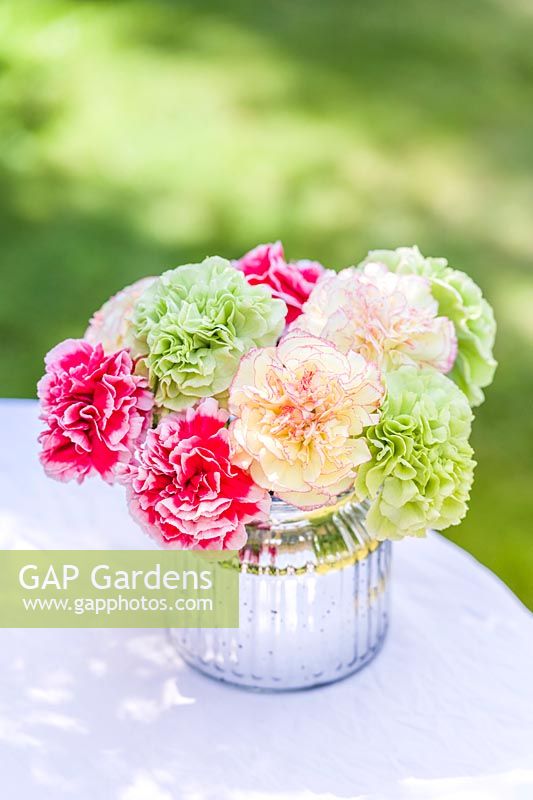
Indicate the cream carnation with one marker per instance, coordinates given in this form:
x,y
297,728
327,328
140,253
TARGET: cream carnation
x,y
300,410
460,299
109,326
389,319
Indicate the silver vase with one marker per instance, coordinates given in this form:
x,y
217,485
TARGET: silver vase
x,y
314,599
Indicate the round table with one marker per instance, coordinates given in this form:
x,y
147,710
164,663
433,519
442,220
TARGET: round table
x,y
445,711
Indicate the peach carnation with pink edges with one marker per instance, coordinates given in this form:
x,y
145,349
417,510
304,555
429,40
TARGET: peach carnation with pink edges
x,y
301,409
94,408
390,319
184,488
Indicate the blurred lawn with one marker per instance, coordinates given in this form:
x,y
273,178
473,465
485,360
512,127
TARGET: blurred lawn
x,y
137,136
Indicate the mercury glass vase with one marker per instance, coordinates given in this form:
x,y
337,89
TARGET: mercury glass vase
x,y
314,603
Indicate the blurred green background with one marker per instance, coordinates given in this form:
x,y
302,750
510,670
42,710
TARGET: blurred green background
x,y
137,136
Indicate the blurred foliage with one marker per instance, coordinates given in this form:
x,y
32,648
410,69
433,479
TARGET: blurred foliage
x,y
135,136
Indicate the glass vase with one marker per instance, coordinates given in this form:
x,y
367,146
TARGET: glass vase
x,y
314,602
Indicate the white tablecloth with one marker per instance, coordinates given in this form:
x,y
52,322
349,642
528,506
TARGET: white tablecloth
x,y
445,711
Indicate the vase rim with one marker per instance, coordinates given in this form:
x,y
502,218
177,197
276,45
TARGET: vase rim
x,y
281,511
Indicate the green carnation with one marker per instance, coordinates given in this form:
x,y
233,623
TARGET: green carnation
x,y
460,300
421,467
193,325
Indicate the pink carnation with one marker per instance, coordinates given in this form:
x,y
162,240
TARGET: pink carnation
x,y
292,282
94,408
184,489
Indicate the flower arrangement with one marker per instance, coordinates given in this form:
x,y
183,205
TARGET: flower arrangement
x,y
213,388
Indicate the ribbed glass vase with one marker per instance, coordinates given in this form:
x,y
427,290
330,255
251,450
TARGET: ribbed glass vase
x,y
314,598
